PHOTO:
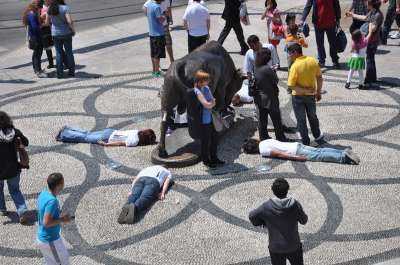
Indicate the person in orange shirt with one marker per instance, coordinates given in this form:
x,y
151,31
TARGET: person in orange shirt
x,y
294,37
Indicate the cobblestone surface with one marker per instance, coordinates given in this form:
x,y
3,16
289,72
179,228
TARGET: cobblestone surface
x,y
353,210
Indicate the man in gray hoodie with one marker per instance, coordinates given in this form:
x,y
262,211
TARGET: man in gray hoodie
x,y
281,216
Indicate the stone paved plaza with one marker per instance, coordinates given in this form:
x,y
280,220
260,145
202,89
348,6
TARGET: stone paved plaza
x,y
354,215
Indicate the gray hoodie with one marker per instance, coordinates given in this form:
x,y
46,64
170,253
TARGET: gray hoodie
x,y
281,217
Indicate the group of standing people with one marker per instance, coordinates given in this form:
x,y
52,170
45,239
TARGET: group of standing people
x,y
49,23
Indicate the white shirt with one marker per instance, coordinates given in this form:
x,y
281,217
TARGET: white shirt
x,y
164,5
244,93
250,58
130,137
201,2
196,16
158,172
267,146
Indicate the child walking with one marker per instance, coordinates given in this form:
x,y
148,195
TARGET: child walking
x,y
294,37
276,29
209,136
357,60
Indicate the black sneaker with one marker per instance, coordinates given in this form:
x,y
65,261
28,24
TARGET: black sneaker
x,y
71,74
58,136
51,66
23,219
352,156
347,85
209,164
218,162
336,66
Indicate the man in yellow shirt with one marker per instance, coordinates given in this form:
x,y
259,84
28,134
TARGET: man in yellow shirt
x,y
305,81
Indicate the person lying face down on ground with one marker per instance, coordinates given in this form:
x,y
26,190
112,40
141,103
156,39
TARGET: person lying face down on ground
x,y
299,152
149,185
107,137
242,96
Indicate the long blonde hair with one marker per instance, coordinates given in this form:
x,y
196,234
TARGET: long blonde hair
x,y
30,8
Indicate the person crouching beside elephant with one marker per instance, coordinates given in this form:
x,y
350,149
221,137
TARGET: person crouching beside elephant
x,y
107,137
209,136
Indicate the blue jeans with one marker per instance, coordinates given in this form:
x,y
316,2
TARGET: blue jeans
x,y
16,195
302,106
319,36
144,193
76,135
64,43
321,154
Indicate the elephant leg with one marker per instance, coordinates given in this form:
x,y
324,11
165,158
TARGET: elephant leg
x,y
162,152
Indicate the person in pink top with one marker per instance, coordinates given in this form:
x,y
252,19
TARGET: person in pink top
x,y
357,60
46,32
276,29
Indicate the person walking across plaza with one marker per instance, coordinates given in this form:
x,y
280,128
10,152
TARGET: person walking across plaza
x,y
62,30
150,184
374,19
12,144
49,222
281,215
231,15
266,97
305,81
392,14
167,11
326,18
30,20
196,20
358,7
156,19
357,60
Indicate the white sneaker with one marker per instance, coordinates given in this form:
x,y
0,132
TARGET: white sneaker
x,y
395,35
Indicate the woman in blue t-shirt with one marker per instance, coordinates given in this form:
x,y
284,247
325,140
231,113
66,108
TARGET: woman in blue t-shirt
x,y
30,19
62,30
209,136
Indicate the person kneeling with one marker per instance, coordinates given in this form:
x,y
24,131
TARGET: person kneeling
x,y
107,137
299,152
149,185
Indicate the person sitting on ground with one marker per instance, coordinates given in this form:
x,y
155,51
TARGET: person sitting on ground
x,y
299,152
107,137
242,96
149,185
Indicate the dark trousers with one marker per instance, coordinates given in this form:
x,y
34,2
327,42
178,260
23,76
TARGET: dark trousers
x,y
391,15
196,41
275,115
209,142
144,193
64,44
304,106
37,58
237,27
49,54
356,25
370,76
295,258
320,37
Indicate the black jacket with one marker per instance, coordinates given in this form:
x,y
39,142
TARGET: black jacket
x,y
313,4
267,88
281,217
231,11
9,166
